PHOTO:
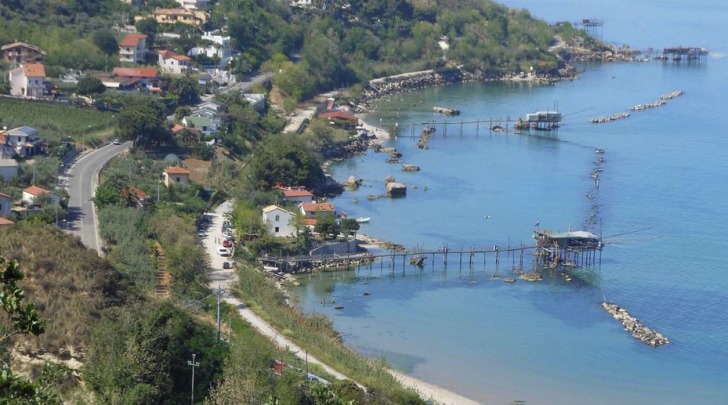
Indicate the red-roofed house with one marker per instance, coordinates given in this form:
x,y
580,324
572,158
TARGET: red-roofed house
x,y
176,175
130,78
27,80
313,210
32,192
20,52
297,194
133,48
339,115
172,63
6,202
5,222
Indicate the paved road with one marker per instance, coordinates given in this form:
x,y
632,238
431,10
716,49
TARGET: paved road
x,y
82,179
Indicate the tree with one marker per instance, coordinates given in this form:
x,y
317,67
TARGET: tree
x,y
349,226
90,85
326,225
106,42
285,159
148,26
24,319
185,88
143,121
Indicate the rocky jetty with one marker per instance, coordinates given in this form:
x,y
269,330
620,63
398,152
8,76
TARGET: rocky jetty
x,y
611,117
446,110
410,168
634,326
425,136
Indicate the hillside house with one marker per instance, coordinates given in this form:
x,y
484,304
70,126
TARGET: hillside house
x,y
297,194
8,168
205,125
31,193
193,4
314,210
220,47
171,62
176,175
278,221
19,53
132,78
21,142
6,202
28,81
133,48
177,15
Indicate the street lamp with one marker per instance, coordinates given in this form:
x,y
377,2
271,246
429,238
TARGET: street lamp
x,y
194,364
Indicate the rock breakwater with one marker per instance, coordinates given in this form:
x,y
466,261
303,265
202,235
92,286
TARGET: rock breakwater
x,y
634,326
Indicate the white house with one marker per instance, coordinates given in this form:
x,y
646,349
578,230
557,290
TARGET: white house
x,y
6,202
206,125
8,169
220,47
170,62
176,175
193,4
32,192
278,221
133,48
27,80
21,141
256,101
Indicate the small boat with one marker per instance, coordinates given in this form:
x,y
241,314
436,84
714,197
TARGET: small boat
x,y
363,220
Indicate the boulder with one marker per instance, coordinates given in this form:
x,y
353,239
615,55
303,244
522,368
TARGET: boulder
x,y
395,189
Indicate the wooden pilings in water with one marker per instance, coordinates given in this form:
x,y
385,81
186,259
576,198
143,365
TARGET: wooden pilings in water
x,y
634,326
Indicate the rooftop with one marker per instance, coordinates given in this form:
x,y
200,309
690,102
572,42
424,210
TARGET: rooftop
x,y
177,170
132,40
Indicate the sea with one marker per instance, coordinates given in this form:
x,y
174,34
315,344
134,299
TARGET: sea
x,y
661,205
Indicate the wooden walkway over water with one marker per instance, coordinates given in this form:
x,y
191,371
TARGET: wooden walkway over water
x,y
542,256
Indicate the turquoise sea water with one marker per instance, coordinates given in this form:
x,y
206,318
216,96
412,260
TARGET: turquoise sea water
x,y
661,205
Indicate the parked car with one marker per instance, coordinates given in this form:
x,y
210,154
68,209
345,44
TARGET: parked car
x,y
226,243
223,251
226,265
201,234
116,141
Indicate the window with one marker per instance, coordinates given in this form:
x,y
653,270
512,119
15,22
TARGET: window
x,y
278,218
277,229
177,179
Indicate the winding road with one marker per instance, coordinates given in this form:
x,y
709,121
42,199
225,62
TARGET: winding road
x,y
82,178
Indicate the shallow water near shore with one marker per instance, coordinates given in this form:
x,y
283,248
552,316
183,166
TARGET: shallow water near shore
x,y
660,206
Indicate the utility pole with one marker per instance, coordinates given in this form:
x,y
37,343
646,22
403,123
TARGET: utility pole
x,y
194,364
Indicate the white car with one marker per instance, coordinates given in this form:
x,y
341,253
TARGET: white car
x,y
223,251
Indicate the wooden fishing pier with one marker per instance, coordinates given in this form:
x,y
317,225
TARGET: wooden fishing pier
x,y
681,53
552,251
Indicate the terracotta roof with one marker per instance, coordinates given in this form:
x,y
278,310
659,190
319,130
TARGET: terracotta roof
x,y
132,40
34,70
296,193
177,128
5,195
317,207
340,115
310,221
171,55
177,170
5,221
136,72
35,190
22,44
273,208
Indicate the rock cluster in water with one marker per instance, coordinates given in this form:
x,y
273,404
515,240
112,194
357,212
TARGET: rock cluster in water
x,y
634,326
